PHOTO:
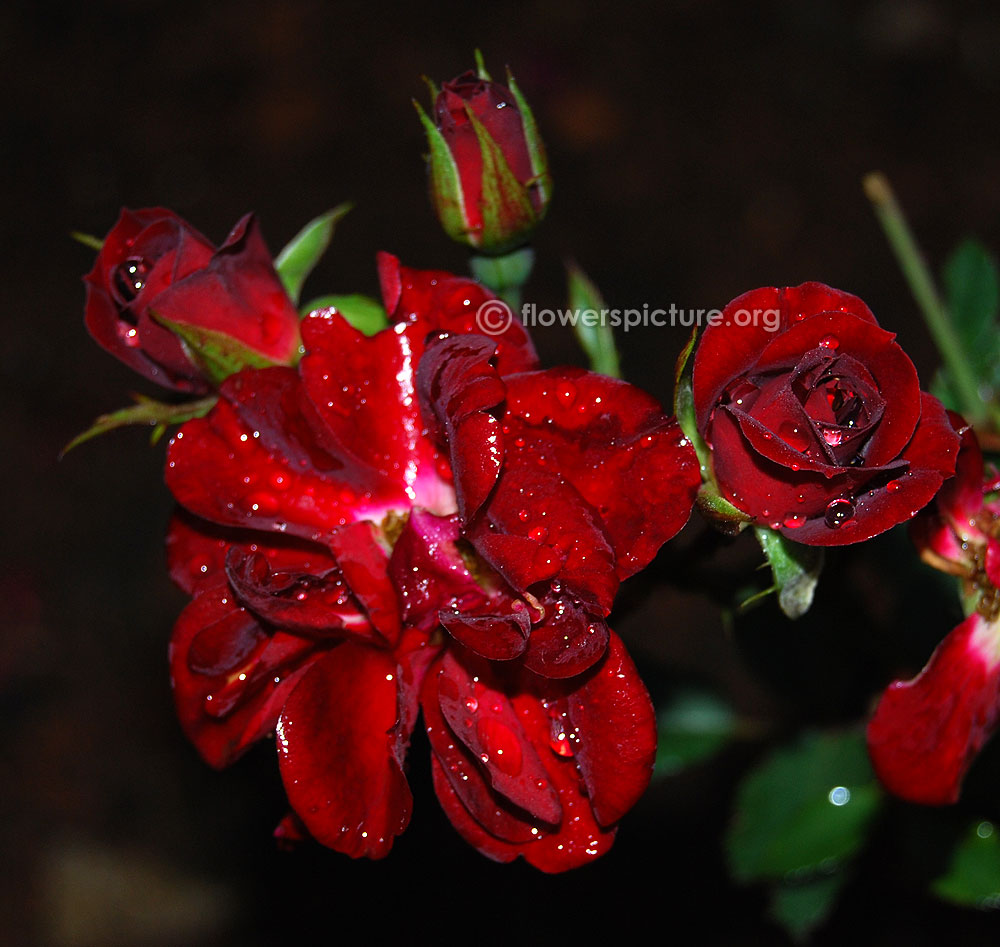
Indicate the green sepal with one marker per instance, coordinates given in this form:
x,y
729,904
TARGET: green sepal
x,y
973,876
88,240
481,66
725,517
364,313
156,414
795,568
446,185
597,341
542,179
684,412
508,214
217,354
804,810
301,254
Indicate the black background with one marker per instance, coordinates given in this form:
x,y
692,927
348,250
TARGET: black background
x,y
699,150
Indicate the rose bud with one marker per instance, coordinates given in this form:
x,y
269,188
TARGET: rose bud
x,y
182,313
489,178
815,418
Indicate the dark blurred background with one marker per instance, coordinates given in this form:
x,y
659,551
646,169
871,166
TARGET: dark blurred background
x,y
699,149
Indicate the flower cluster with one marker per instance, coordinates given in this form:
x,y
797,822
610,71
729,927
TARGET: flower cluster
x,y
424,520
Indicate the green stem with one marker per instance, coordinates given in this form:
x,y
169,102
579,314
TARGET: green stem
x,y
505,274
935,312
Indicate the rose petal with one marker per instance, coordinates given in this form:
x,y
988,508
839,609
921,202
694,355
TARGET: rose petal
x,y
295,601
430,300
215,641
567,641
616,725
336,749
926,732
196,551
495,637
731,346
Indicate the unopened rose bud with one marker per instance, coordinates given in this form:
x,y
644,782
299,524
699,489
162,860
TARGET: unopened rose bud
x,y
182,312
489,178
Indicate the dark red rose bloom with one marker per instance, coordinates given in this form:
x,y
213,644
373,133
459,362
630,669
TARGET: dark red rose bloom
x,y
926,732
423,519
154,266
815,417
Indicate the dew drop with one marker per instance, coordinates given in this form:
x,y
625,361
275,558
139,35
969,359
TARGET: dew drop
x,y
129,278
566,393
832,435
501,745
893,485
794,521
838,512
829,342
793,435
524,516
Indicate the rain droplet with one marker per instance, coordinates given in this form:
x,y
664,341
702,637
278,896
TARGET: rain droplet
x,y
794,521
829,342
832,435
129,278
838,512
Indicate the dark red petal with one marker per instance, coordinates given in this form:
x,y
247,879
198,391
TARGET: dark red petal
x,y
730,348
480,714
218,469
961,497
363,388
298,602
215,641
428,572
237,293
364,565
610,443
876,350
495,637
930,457
290,831
196,551
337,751
616,725
433,300
926,732
459,389
567,641
468,780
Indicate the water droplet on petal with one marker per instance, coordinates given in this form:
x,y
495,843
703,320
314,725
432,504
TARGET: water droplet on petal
x,y
838,512
829,342
794,521
833,436
566,393
501,745
129,277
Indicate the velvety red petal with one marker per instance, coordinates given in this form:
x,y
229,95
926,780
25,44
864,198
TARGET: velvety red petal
x,y
230,678
567,641
467,778
926,732
730,348
428,572
430,300
226,471
495,637
196,551
613,717
238,293
961,496
337,751
876,350
298,602
610,443
481,716
364,565
363,388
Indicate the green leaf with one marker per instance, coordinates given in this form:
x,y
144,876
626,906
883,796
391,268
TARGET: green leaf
x,y
303,251
973,878
596,340
795,568
693,726
804,809
801,908
972,290
157,414
364,313
217,354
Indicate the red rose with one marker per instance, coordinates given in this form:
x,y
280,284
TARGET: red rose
x,y
489,177
155,269
422,521
815,417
